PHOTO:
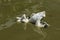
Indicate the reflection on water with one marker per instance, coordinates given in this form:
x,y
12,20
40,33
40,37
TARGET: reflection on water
x,y
7,24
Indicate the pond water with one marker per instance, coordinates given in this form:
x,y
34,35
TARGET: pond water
x,y
10,30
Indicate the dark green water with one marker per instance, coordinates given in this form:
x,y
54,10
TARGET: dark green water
x,y
9,9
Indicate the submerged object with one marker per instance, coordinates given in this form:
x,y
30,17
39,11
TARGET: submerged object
x,y
35,18
23,19
18,19
40,24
